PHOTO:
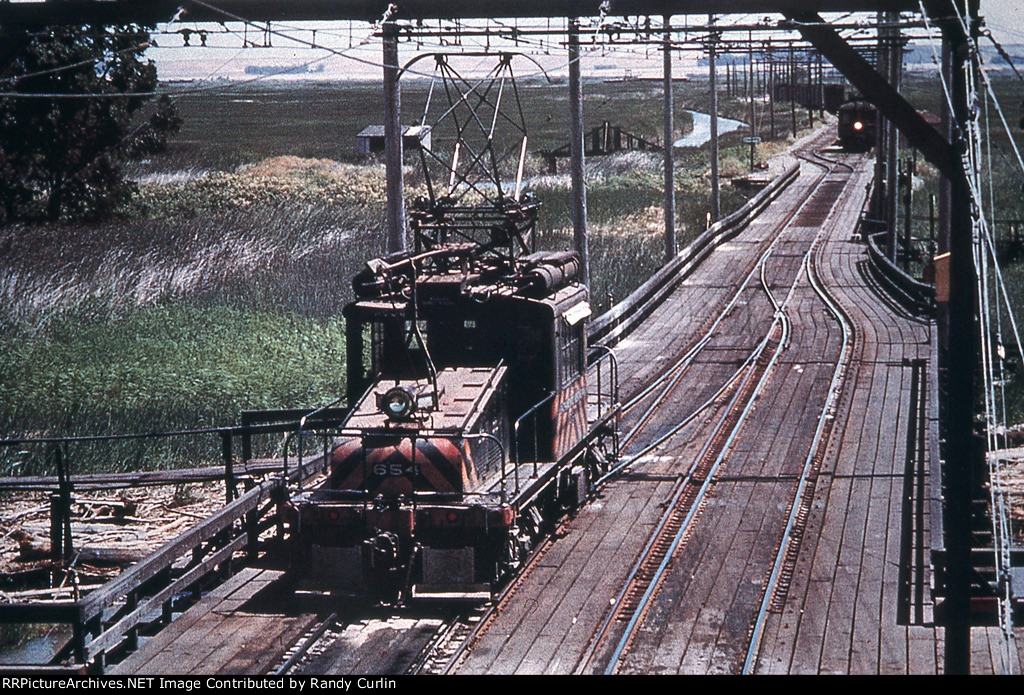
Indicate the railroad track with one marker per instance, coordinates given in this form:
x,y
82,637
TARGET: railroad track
x,y
671,532
777,586
425,651
739,392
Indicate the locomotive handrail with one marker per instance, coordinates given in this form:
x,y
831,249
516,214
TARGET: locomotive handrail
x,y
504,459
320,494
361,432
613,395
413,436
515,435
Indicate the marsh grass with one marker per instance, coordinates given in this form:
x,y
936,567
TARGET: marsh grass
x,y
167,367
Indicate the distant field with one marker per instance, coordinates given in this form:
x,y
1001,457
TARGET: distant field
x,y
253,122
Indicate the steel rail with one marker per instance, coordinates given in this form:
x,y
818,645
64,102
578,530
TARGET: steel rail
x,y
691,354
680,489
832,395
309,640
492,610
441,637
780,317
687,359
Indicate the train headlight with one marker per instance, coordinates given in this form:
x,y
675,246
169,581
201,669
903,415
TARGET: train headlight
x,y
398,403
858,126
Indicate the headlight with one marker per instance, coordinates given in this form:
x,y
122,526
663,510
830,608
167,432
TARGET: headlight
x,y
397,403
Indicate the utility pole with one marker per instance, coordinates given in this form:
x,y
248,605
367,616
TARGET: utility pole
x,y
894,65
577,165
393,140
669,124
792,86
753,129
715,190
961,355
821,89
771,88
908,207
809,91
882,184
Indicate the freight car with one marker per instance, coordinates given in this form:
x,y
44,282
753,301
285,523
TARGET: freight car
x,y
480,416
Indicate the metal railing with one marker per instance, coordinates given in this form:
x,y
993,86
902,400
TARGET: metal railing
x,y
612,325
609,395
908,291
517,426
107,618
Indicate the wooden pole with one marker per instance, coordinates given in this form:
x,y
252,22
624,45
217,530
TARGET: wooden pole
x,y
669,136
577,165
715,186
393,141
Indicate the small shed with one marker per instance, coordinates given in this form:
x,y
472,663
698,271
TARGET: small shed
x,y
371,138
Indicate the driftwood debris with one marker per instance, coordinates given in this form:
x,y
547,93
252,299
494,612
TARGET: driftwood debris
x,y
32,548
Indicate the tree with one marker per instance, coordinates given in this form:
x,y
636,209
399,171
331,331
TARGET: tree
x,y
68,127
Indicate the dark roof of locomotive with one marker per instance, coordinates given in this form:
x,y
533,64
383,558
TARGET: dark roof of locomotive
x,y
558,300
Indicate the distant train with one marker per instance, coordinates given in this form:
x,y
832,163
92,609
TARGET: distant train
x,y
856,127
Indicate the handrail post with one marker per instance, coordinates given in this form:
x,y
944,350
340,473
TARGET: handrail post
x,y
515,442
301,467
252,521
131,603
246,438
229,469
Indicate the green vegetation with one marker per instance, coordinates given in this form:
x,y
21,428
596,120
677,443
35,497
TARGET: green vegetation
x,y
164,367
62,158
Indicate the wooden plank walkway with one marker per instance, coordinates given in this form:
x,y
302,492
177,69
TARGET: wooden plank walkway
x,y
244,626
707,602
840,615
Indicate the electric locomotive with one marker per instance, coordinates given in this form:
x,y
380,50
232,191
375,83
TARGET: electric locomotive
x,y
856,127
473,427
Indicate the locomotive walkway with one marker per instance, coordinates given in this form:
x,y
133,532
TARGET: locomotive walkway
x,y
788,520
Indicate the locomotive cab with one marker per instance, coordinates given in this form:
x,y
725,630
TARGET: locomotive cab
x,y
541,339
